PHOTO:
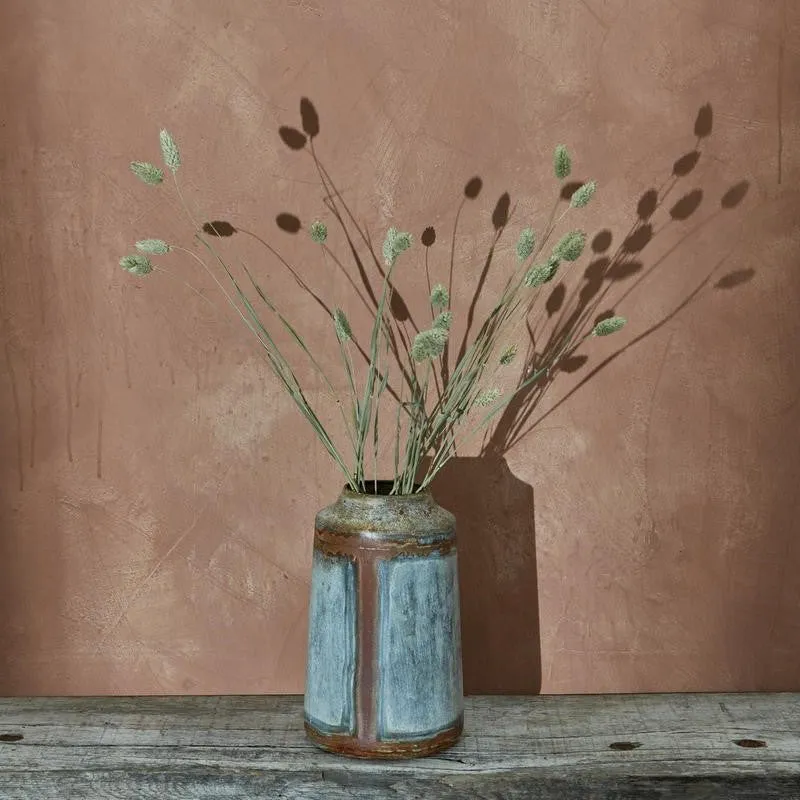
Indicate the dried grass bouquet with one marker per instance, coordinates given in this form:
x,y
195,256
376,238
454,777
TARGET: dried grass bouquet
x,y
440,399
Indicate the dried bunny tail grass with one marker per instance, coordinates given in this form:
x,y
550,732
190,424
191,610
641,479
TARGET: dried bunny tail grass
x,y
583,195
542,273
318,232
443,321
440,297
343,330
395,243
156,246
147,172
562,163
169,150
570,246
526,244
136,264
508,355
428,344
487,397
607,326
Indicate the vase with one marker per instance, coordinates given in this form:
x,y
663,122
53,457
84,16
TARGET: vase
x,y
384,673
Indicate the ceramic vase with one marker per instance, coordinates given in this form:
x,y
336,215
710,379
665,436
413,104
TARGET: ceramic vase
x,y
384,675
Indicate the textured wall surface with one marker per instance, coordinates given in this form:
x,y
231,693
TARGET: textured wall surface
x,y
158,491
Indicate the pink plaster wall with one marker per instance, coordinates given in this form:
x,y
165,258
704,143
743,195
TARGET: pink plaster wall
x,y
157,489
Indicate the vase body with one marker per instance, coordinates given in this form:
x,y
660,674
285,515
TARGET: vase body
x,y
384,677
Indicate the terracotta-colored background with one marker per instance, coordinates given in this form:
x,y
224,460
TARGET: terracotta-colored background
x,y
158,489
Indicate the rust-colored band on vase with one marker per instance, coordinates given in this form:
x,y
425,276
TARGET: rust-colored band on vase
x,y
366,646
362,748
352,545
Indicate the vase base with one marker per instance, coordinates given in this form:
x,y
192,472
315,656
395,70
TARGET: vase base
x,y
351,746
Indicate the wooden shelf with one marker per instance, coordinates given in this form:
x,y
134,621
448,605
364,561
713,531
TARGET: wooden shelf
x,y
574,746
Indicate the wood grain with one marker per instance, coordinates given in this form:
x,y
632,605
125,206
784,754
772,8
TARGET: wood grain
x,y
590,746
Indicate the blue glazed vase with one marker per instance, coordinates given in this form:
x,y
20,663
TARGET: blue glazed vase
x,y
384,677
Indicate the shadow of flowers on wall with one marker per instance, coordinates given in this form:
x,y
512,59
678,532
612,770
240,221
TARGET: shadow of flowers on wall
x,y
494,508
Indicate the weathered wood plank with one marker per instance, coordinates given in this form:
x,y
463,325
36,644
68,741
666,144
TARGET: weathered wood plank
x,y
514,747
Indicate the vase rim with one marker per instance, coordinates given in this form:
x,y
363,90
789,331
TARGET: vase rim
x,y
386,485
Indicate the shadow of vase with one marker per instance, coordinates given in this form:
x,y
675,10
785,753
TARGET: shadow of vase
x,y
496,537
